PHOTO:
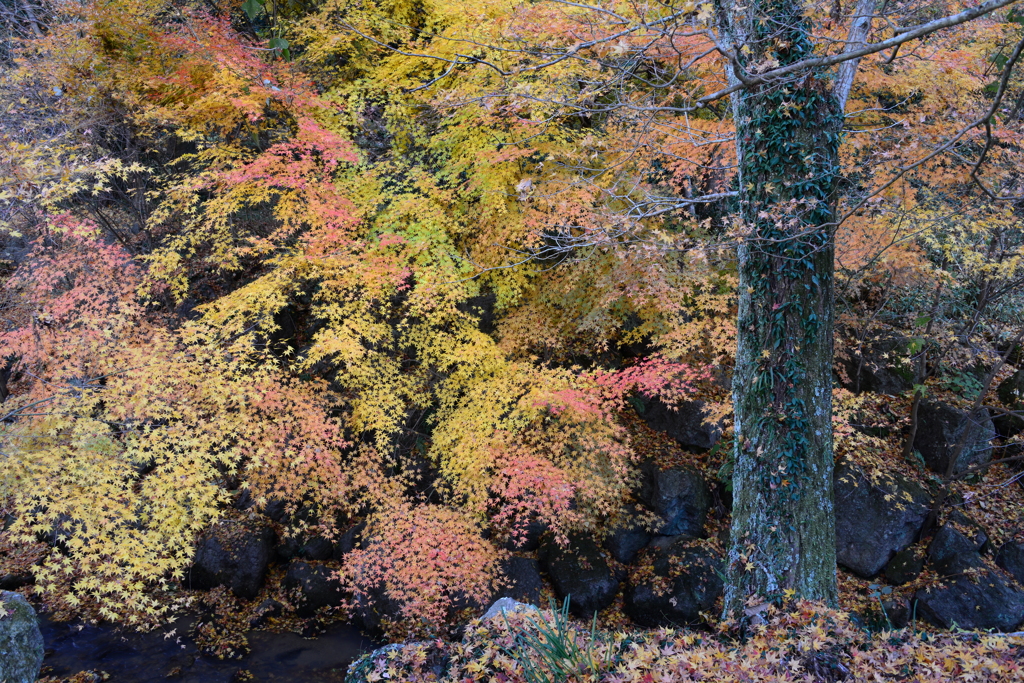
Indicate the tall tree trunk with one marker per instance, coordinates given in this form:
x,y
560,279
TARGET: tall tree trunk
x,y
783,533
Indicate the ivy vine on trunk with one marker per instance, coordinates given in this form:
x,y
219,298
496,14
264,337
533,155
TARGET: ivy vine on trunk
x,y
788,134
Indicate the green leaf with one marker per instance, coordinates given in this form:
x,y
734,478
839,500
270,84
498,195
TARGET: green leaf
x,y
252,8
919,461
279,44
922,321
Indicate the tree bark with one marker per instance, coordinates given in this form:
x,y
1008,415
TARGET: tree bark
x,y
788,133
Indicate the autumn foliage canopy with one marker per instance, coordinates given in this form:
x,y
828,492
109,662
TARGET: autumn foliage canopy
x,y
378,261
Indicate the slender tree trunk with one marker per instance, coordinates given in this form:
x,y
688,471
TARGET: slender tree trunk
x,y
6,366
783,533
920,375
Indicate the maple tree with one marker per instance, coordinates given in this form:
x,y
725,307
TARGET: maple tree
x,y
258,182
313,250
788,70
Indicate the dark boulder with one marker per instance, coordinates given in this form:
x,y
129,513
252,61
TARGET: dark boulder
x,y
376,610
314,586
875,521
971,596
1011,558
581,573
629,536
971,530
941,427
21,642
884,379
1011,390
243,500
351,539
679,495
685,423
15,580
949,543
873,371
684,582
666,542
276,510
904,567
1008,425
316,548
898,611
526,538
522,579
1011,394
287,549
296,544
232,553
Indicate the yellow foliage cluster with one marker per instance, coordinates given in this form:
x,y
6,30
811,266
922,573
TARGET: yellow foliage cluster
x,y
128,426
119,441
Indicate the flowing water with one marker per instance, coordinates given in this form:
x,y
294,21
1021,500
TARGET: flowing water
x,y
168,656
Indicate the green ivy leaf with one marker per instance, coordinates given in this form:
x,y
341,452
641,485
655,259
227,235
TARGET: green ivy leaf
x,y
252,8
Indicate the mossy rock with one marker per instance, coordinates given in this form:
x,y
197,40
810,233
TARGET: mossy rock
x,y
21,642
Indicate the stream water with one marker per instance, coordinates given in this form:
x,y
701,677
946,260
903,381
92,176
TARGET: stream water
x,y
168,656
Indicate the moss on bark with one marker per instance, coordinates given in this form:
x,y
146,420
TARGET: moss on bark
x,y
783,536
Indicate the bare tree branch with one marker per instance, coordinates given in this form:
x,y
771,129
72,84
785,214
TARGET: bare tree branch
x,y
862,16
